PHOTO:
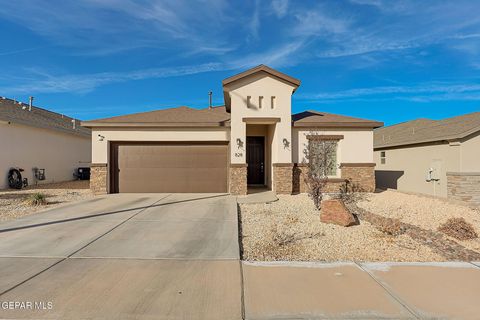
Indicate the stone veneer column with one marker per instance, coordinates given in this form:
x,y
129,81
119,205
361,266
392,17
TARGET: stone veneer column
x,y
361,174
283,178
98,178
464,186
238,179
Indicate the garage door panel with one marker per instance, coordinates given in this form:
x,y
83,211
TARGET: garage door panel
x,y
172,168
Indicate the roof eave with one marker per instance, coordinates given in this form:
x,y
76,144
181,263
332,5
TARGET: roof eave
x,y
422,141
262,68
371,125
96,124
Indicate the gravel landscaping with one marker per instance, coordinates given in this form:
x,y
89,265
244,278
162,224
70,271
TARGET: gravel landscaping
x,y
290,230
14,203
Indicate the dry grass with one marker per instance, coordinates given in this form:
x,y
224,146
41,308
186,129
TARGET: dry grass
x,y
459,229
36,199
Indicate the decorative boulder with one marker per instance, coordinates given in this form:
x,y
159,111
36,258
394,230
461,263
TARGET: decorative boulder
x,y
335,212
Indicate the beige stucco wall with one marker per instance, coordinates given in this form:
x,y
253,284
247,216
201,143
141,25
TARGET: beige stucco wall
x,y
257,85
100,148
355,147
407,167
470,154
28,147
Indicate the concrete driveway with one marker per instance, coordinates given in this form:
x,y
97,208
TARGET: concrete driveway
x,y
149,256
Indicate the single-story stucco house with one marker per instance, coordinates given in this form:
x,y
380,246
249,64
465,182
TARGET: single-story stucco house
x,y
433,157
253,140
33,139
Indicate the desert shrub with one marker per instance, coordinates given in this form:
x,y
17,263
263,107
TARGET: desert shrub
x,y
351,191
37,199
458,228
392,227
316,186
322,162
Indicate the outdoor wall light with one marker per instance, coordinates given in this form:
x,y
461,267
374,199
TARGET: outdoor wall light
x,y
239,143
100,137
286,144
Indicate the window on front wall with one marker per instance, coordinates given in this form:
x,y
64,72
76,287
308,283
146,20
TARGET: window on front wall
x,y
383,157
323,157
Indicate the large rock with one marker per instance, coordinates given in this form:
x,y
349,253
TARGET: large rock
x,y
335,212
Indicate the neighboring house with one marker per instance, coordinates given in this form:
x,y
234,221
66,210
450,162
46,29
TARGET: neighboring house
x,y
253,140
439,158
32,137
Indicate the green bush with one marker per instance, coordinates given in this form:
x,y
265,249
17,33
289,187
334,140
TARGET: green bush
x,y
37,199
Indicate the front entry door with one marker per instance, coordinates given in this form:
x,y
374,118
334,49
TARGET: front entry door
x,y
256,160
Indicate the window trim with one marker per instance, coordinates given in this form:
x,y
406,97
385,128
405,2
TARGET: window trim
x,y
383,157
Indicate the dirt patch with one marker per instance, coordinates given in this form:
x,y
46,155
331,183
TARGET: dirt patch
x,y
13,203
290,229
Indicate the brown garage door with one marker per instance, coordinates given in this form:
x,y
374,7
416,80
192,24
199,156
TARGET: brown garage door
x,y
188,167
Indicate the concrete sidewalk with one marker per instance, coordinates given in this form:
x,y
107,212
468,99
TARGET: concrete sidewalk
x,y
361,291
171,256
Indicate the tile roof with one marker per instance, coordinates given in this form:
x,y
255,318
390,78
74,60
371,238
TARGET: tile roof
x,y
426,130
173,117
17,112
313,118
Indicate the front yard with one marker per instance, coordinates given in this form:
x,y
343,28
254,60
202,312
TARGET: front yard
x,y
14,203
290,229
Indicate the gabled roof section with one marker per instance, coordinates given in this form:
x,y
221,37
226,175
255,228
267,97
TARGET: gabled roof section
x,y
426,130
173,117
316,119
263,68
12,111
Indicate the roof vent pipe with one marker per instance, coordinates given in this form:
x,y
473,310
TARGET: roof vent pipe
x,y
73,121
210,99
30,103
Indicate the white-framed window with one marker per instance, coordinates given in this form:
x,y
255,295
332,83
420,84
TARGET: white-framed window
x,y
383,157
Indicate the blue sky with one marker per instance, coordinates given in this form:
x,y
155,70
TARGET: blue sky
x,y
385,60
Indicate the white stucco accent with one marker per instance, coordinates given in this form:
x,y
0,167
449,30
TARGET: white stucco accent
x,y
266,86
28,147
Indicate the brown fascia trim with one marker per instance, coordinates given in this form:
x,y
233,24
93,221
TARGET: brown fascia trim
x,y
260,120
405,145
265,69
279,165
155,124
102,165
238,165
337,124
325,137
357,165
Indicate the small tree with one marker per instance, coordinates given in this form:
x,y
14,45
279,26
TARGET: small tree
x,y
322,163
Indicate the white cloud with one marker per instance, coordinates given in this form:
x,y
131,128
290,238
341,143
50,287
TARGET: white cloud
x,y
44,82
422,92
280,8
